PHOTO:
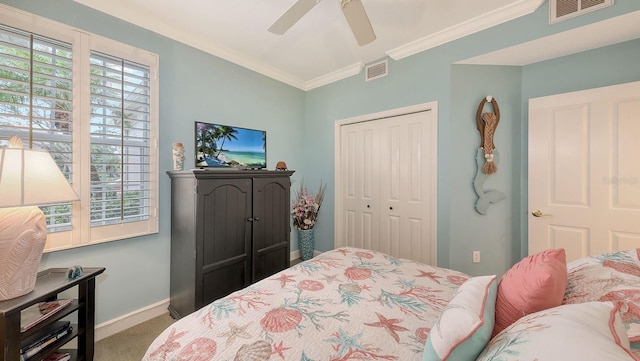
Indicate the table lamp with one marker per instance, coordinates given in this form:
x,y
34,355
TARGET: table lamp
x,y
27,178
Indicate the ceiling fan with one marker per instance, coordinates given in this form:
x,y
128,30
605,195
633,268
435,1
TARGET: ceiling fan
x,y
353,11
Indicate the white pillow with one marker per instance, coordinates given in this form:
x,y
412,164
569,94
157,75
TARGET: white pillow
x,y
465,325
591,331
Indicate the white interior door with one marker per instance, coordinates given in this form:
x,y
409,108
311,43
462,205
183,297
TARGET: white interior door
x,y
584,173
360,184
404,187
386,184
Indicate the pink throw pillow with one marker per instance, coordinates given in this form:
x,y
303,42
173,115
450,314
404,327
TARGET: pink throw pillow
x,y
536,283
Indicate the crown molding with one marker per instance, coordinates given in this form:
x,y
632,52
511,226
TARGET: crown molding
x,y
495,17
206,45
506,13
339,74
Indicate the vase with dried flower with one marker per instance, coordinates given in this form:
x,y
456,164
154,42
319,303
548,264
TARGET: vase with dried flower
x,y
304,210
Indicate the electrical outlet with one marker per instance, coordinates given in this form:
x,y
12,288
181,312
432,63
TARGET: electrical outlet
x,y
476,256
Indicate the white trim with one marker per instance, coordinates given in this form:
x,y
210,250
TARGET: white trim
x,y
131,319
83,42
339,74
432,183
121,323
295,255
595,35
498,16
205,44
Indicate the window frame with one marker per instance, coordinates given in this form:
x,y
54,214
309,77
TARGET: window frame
x,y
83,42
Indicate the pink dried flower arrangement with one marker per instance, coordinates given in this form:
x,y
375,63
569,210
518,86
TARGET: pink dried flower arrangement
x,y
306,206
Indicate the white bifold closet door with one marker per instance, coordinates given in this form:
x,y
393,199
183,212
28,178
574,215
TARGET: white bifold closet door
x,y
387,190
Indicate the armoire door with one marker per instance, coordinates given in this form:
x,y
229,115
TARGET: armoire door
x,y
387,185
223,243
271,229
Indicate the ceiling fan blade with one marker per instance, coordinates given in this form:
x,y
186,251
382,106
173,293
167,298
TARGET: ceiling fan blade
x,y
358,20
291,16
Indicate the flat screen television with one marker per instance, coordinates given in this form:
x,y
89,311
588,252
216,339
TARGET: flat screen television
x,y
220,145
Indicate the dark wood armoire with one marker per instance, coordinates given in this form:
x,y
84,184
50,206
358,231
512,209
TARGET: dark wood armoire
x,y
229,228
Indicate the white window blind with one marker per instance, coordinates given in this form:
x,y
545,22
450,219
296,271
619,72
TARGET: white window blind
x,y
93,104
36,103
120,135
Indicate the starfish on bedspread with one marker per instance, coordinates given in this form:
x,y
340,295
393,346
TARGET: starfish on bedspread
x,y
279,349
283,279
330,279
235,332
389,324
430,275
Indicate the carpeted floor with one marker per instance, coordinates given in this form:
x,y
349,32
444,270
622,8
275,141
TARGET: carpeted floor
x,y
132,343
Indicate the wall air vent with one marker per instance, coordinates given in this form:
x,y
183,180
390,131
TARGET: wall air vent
x,y
377,70
564,9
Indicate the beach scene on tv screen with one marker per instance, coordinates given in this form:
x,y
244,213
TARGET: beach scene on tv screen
x,y
225,146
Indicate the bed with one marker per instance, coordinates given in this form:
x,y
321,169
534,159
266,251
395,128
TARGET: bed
x,y
356,304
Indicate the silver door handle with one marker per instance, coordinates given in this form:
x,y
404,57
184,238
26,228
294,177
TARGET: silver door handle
x,y
538,213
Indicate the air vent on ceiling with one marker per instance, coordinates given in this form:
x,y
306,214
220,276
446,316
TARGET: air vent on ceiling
x,y
564,9
377,70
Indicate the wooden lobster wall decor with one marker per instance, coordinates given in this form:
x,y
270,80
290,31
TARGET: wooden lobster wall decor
x,y
487,156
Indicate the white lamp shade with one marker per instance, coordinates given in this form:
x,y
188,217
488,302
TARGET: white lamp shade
x,y
31,177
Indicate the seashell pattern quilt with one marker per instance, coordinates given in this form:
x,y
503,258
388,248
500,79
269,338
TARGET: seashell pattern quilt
x,y
345,304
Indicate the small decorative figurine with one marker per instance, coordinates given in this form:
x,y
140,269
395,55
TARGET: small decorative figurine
x,y
281,166
178,156
74,272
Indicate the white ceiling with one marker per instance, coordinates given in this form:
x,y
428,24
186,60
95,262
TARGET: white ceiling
x,y
320,48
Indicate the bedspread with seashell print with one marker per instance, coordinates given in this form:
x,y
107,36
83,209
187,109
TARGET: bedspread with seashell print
x,y
345,304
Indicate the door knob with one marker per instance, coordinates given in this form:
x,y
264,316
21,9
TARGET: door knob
x,y
538,213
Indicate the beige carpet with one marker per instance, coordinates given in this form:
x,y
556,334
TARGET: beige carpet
x,y
132,343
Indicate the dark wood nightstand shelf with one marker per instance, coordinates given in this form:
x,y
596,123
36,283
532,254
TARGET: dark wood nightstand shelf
x,y
49,284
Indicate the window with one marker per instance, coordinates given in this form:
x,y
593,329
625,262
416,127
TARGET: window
x,y
92,103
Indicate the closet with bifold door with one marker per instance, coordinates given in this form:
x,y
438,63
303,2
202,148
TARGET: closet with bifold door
x,y
386,175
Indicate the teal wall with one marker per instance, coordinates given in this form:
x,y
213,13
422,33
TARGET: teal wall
x,y
197,86
193,86
491,234
432,76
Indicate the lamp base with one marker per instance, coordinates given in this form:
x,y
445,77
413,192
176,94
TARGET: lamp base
x,y
23,233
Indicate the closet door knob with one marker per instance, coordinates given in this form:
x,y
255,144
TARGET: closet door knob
x,y
368,206
257,219
391,208
249,219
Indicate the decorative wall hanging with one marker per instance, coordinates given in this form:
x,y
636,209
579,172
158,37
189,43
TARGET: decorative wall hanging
x,y
487,156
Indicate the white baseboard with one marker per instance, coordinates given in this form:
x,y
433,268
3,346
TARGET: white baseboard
x,y
295,255
131,319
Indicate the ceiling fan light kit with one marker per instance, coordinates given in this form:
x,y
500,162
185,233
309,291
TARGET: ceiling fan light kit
x,y
353,11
